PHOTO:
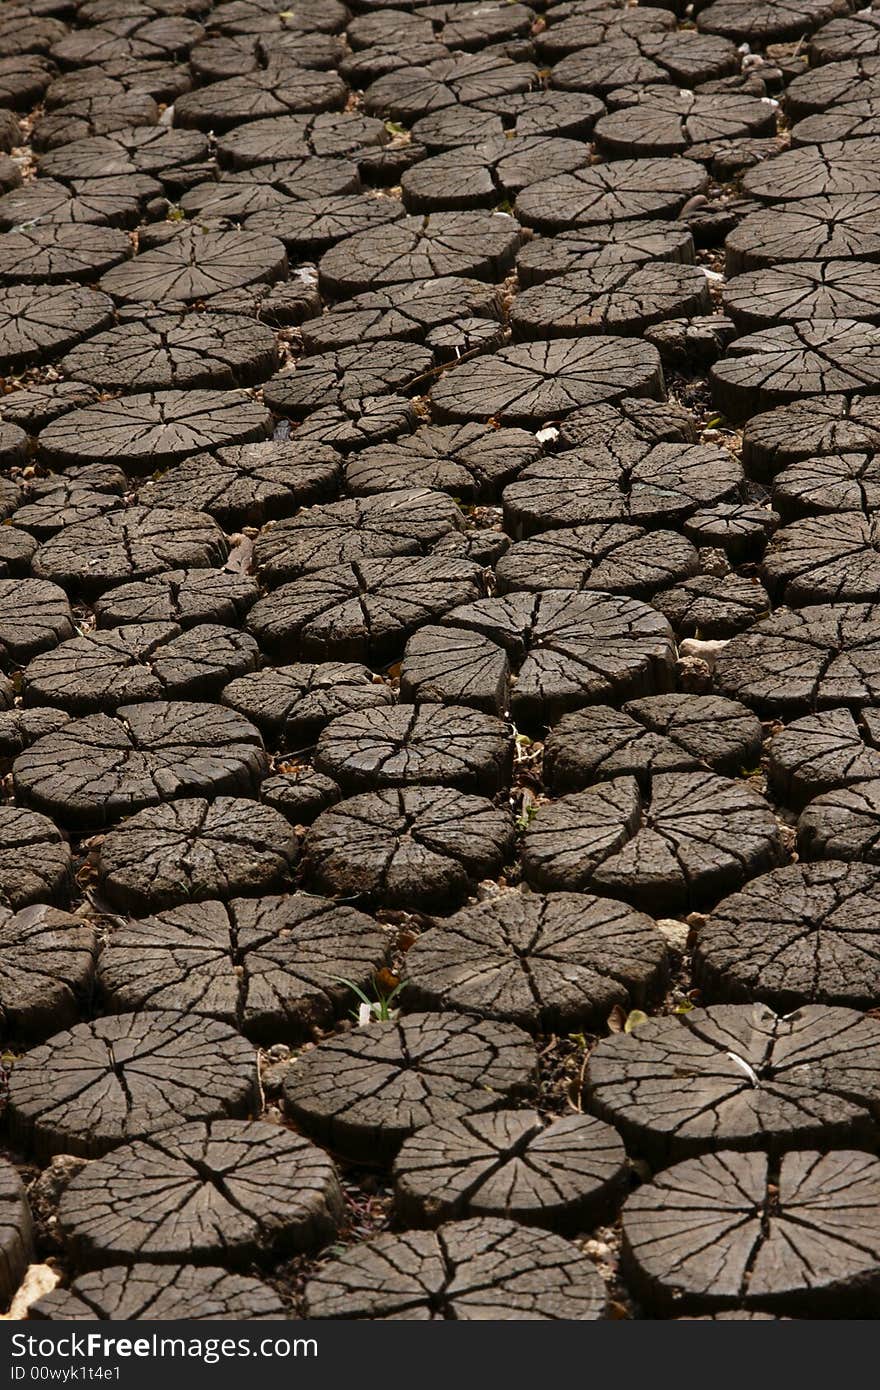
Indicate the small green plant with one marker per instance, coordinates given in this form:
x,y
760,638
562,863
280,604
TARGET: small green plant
x,y
380,1010
528,814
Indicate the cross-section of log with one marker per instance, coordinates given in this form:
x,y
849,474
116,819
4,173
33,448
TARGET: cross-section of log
x,y
292,704
468,1270
807,933
824,228
141,661
782,364
666,121
549,964
457,80
38,323
47,967
204,1192
769,22
189,850
160,1293
737,1076
817,171
99,1084
811,658
623,298
618,192
276,968
34,617
185,597
823,752
364,1092
418,847
95,770
824,559
52,254
165,351
639,481
154,428
565,1176
470,461
129,543
565,650
405,522
364,610
16,1232
681,843
813,426
478,244
804,290
798,1237
614,559
843,824
661,733
35,862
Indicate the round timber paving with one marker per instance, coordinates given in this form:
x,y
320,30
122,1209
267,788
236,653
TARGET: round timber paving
x,y
409,745
824,559
17,1239
813,426
193,264
538,381
828,483
37,323
291,704
481,245
619,480
185,597
680,842
737,1076
362,1093
470,461
89,1089
189,850
406,522
275,968
142,151
280,89
460,79
468,1270
51,255
35,862
607,193
141,661
160,1293
631,61
409,847
247,484
805,659
666,121
47,970
850,36
331,378
482,174
792,360
153,429
363,611
661,733
821,753
842,824
405,312
713,606
95,770
605,244
802,934
80,494
816,171
128,544
824,228
351,425
34,617
622,298
310,226
564,1176
769,22
613,558
170,351
549,964
541,656
799,1236
804,290
203,1192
